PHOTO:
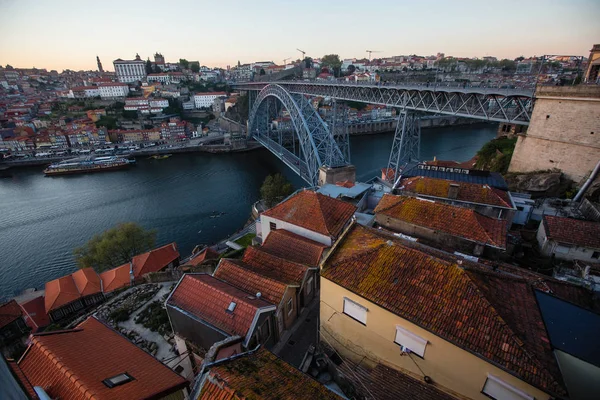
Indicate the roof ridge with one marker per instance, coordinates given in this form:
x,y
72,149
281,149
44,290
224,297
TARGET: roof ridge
x,y
275,281
505,326
244,300
322,213
76,380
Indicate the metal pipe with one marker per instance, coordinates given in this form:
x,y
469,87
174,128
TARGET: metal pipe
x,y
587,183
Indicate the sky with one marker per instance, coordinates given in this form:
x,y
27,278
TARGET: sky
x,y
62,34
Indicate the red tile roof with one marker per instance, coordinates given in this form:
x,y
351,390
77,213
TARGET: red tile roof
x,y
72,364
261,375
208,298
87,281
116,278
59,292
204,255
154,260
457,221
274,267
296,248
9,312
22,379
314,211
35,313
468,192
385,383
238,274
572,231
490,314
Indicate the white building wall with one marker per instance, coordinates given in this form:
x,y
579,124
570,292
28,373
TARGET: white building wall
x,y
549,247
265,223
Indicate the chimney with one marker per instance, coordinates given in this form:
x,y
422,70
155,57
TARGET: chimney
x,y
453,191
131,277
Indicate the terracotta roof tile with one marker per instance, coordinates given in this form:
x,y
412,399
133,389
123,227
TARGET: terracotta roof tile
x,y
87,281
275,267
296,248
384,383
154,260
35,313
116,278
573,231
204,255
489,314
314,211
261,375
240,275
9,312
59,292
22,378
72,364
457,221
468,192
208,298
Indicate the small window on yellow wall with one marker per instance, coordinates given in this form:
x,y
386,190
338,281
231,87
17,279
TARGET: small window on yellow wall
x,y
355,311
410,341
497,389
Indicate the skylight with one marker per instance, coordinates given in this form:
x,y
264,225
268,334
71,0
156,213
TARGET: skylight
x,y
117,380
231,306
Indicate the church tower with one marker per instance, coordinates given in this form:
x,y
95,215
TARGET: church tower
x,y
99,64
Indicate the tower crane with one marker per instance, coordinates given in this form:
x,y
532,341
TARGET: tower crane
x,y
301,51
285,61
372,51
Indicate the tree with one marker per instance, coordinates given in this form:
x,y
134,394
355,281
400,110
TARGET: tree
x,y
262,71
308,62
149,67
195,67
333,62
130,114
274,189
351,69
115,247
184,63
108,122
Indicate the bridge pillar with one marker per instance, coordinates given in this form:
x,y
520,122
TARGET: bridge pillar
x,y
337,174
406,146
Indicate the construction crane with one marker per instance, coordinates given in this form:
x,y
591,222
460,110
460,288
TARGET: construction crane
x,y
285,61
301,51
372,51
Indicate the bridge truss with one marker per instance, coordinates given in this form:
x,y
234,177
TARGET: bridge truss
x,y
306,147
499,105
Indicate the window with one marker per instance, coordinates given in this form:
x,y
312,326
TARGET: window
x,y
355,311
410,341
310,283
596,255
290,306
500,390
272,226
117,380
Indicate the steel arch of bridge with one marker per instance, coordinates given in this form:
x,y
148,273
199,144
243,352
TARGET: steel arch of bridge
x,y
490,104
316,143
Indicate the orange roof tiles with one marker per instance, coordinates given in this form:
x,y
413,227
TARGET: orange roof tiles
x,y
296,248
154,260
204,255
72,364
59,292
87,281
490,314
572,231
468,192
9,312
208,298
116,278
314,211
457,221
22,379
238,274
275,267
35,313
261,375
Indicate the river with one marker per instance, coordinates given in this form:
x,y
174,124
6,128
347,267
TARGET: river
x,y
42,219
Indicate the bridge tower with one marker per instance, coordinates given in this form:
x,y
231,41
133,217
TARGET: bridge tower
x,y
406,146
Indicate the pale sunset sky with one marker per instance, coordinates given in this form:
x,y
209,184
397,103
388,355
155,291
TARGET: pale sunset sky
x,y
62,34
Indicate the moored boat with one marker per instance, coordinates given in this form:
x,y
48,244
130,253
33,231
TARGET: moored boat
x,y
88,165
